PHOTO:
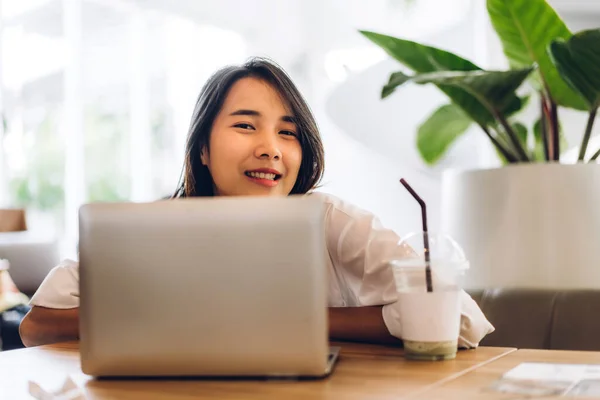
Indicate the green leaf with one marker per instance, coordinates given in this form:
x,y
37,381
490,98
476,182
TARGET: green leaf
x,y
418,57
494,89
423,59
526,28
440,130
578,62
521,132
396,79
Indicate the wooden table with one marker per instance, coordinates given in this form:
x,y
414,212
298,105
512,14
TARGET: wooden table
x,y
363,372
475,384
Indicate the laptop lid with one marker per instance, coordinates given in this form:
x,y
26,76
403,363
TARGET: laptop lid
x,y
213,286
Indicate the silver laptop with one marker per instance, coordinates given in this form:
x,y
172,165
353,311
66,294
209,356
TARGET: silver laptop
x,y
205,287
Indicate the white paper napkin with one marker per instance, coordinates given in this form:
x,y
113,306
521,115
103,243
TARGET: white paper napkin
x,y
69,391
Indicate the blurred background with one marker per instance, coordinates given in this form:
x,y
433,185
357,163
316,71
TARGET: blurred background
x,y
96,95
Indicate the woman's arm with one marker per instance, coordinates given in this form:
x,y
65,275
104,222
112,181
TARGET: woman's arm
x,y
54,316
360,324
363,324
360,249
48,325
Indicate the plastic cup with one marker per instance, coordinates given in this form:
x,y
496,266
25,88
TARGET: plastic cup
x,y
430,320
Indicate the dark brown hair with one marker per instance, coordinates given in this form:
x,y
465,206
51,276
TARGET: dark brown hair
x,y
195,177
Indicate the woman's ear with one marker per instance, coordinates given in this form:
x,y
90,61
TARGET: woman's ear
x,y
204,156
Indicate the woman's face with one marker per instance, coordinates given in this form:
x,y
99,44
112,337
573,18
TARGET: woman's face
x,y
253,147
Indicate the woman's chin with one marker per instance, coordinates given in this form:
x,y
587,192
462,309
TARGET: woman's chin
x,y
262,192
266,193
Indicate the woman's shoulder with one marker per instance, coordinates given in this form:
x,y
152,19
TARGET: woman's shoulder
x,y
60,288
338,209
68,264
66,269
337,205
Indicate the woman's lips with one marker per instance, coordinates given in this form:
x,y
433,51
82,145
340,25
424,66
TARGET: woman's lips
x,y
265,177
263,181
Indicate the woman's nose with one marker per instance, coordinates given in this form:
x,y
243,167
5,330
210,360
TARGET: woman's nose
x,y
267,148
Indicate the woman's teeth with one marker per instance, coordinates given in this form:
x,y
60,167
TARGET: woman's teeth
x,y
261,175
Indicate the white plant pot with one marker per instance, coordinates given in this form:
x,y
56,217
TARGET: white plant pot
x,y
526,226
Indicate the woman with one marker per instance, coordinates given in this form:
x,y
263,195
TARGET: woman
x,y
252,133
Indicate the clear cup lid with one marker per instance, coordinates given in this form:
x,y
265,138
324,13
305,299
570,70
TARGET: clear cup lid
x,y
443,251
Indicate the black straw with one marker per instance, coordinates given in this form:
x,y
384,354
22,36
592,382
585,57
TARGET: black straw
x,y
425,234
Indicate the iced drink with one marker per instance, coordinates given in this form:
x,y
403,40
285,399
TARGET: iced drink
x,y
430,320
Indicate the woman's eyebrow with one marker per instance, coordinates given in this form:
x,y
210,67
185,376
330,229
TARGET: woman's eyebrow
x,y
246,112
254,113
288,118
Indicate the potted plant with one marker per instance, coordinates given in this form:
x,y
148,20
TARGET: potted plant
x,y
534,221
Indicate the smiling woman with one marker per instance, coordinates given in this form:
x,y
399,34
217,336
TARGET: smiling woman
x,y
255,134
255,151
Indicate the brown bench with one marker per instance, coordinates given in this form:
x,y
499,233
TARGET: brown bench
x,y
542,319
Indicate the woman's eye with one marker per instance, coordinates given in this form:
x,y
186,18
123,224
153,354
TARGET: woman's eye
x,y
288,133
244,126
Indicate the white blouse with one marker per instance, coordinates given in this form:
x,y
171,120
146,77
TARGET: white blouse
x,y
358,273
